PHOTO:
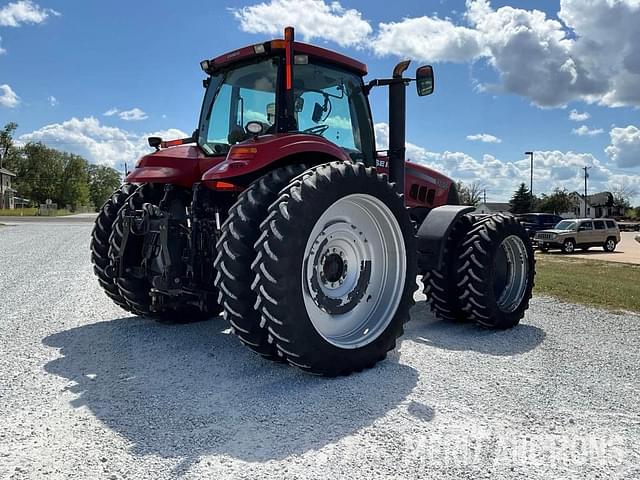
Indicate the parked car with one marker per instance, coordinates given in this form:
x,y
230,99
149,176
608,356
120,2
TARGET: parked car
x,y
534,222
581,233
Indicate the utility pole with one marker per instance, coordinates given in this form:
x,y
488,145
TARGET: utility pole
x,y
126,172
1,183
586,175
531,180
484,196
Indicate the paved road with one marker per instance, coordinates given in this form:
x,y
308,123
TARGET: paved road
x,y
87,391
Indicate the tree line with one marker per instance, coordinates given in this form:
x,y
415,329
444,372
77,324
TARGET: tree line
x,y
558,201
44,173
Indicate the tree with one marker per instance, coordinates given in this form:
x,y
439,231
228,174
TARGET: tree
x,y
102,182
38,170
470,194
73,187
7,147
522,200
622,194
557,202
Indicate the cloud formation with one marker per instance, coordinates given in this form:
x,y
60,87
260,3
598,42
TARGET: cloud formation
x,y
624,149
552,168
584,130
590,52
484,137
576,116
24,12
135,114
312,18
8,98
96,142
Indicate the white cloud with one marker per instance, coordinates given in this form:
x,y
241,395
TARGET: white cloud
x,y
135,114
589,51
22,12
311,18
53,101
624,149
552,169
484,137
8,98
428,39
583,131
98,143
576,116
2,50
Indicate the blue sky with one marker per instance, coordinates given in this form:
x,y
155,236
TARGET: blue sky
x,y
505,74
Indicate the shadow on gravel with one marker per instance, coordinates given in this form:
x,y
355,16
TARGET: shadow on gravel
x,y
427,329
190,390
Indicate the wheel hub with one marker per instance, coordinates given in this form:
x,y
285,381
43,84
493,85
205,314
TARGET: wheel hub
x,y
353,271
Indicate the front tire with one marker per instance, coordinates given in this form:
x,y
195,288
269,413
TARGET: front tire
x,y
569,246
496,272
336,268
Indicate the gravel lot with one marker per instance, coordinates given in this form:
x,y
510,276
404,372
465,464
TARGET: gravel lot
x,y
87,391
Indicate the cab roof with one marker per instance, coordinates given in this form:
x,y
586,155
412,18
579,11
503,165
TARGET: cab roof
x,y
314,51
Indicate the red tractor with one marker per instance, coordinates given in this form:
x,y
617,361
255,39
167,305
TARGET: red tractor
x,y
279,212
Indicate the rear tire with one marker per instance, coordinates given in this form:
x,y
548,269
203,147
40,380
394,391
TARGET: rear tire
x,y
336,268
100,243
496,272
610,245
240,232
440,285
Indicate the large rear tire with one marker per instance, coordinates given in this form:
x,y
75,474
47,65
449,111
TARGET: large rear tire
x,y
240,232
336,268
100,243
440,284
496,271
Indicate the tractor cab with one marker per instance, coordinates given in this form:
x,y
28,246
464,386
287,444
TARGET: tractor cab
x,y
260,91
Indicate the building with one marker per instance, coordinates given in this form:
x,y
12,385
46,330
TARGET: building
x,y
598,205
492,207
6,192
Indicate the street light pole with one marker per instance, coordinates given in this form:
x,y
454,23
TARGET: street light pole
x,y
531,180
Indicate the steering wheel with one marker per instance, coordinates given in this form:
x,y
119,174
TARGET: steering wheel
x,y
316,129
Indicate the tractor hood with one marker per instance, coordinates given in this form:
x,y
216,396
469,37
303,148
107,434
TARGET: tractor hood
x,y
182,165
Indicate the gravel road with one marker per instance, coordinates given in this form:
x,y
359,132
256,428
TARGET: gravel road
x,y
87,391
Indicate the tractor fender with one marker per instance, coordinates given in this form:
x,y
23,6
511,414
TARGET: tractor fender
x,y
433,233
258,154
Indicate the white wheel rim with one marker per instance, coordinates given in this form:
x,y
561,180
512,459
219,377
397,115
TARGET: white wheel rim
x,y
517,260
354,271
569,247
610,244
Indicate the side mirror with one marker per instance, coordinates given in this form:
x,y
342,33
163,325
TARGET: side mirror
x,y
299,105
154,142
318,112
424,80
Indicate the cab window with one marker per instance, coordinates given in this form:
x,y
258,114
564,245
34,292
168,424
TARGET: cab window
x,y
330,102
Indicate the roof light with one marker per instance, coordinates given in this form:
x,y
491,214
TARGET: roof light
x,y
301,59
259,48
204,65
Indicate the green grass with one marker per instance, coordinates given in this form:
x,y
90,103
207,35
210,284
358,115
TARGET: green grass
x,y
28,212
612,285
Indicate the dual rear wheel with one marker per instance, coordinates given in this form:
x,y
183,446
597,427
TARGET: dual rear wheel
x,y
322,278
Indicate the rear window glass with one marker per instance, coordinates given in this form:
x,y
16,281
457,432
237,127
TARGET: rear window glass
x,y
599,225
611,224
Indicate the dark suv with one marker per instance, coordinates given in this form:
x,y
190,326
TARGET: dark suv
x,y
535,222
